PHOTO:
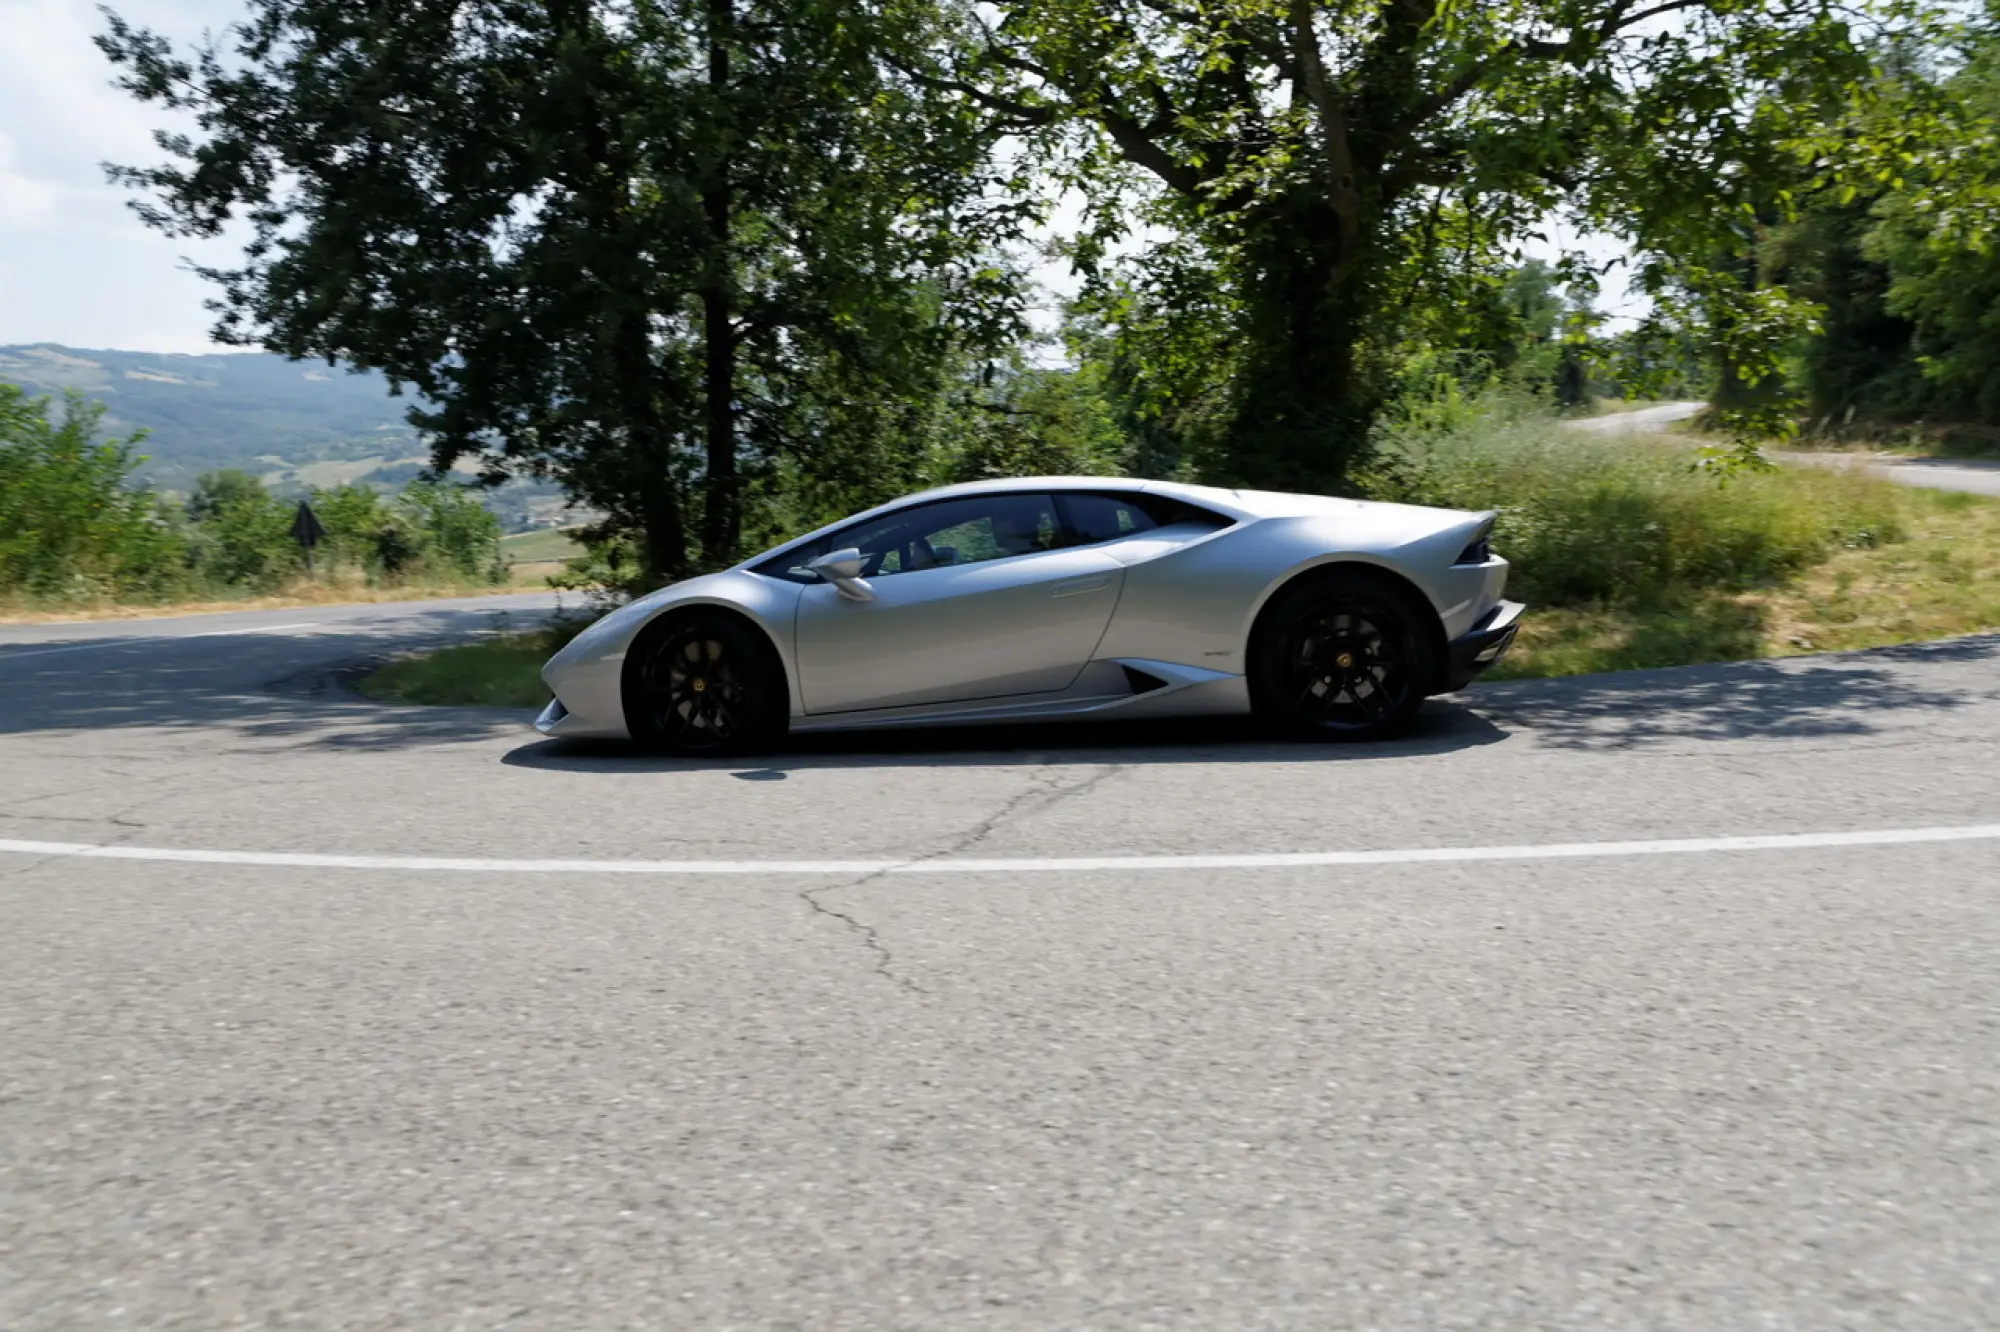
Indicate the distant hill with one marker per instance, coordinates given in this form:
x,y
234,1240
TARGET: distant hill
x,y
292,423
251,410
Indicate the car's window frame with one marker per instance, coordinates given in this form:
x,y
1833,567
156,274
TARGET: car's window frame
x,y
1161,510
788,565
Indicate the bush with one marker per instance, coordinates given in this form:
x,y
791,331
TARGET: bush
x,y
458,537
75,528
1604,519
71,525
241,534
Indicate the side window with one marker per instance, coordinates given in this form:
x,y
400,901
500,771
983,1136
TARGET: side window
x,y
960,531
792,566
1093,518
1107,515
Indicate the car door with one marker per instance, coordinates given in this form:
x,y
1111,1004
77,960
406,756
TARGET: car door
x,y
971,598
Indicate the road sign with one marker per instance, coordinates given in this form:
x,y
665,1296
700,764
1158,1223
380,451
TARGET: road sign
x,y
306,529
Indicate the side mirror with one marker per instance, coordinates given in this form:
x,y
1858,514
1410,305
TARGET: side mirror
x,y
843,568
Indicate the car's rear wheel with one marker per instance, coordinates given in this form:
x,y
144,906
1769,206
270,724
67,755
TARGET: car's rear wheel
x,y
703,683
1343,655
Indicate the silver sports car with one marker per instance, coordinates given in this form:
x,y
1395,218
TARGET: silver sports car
x,y
1054,597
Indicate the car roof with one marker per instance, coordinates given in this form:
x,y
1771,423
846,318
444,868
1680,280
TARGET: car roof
x,y
1238,504
1007,483
1002,483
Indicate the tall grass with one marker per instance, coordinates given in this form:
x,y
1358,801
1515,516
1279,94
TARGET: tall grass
x,y
1604,520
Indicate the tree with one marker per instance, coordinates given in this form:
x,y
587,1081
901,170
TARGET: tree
x,y
654,250
459,535
1859,361
1324,168
70,525
1936,237
216,491
242,533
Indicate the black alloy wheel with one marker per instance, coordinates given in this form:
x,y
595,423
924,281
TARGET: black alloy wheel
x,y
701,684
1341,657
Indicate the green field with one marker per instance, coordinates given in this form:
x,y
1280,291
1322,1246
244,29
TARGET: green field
x,y
551,543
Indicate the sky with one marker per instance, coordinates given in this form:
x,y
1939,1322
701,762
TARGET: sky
x,y
76,266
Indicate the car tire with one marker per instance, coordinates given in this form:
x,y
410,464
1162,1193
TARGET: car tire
x,y
1342,655
703,683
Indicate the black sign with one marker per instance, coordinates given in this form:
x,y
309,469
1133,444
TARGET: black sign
x,y
306,529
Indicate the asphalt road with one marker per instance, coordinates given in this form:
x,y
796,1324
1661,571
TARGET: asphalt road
x,y
1640,421
1969,475
427,1083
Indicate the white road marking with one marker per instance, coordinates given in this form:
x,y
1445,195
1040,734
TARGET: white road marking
x,y
1021,865
134,640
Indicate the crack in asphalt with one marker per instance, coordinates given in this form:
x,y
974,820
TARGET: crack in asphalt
x,y
1044,787
120,818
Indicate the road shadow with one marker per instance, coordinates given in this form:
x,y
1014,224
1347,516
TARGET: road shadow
x,y
1445,726
1849,694
295,689
260,687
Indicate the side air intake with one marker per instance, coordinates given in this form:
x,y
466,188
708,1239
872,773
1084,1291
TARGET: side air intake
x,y
1141,682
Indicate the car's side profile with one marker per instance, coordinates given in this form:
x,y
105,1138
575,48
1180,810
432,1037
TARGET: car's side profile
x,y
1053,597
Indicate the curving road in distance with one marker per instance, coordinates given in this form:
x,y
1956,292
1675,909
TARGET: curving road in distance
x,y
1664,1000
1971,476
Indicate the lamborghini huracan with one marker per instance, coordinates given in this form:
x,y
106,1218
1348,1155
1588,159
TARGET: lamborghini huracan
x,y
1049,598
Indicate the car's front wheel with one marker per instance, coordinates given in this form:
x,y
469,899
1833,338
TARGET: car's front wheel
x,y
703,683
1343,655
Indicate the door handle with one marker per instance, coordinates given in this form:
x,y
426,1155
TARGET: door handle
x,y
1076,585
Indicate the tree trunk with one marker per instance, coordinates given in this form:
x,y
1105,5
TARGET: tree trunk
x,y
1304,403
722,512
650,452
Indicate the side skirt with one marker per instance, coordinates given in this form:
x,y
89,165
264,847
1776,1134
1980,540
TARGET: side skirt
x,y
1125,687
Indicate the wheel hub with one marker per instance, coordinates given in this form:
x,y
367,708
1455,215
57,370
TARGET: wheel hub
x,y
1347,668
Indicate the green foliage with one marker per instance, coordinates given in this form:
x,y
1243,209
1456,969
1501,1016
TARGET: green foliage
x,y
1937,234
1030,421
216,492
1339,179
1860,360
660,252
241,534
1898,257
1601,519
458,536
611,568
75,528
70,526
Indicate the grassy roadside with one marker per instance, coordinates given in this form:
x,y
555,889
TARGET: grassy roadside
x,y
1940,579
531,557
503,671
298,594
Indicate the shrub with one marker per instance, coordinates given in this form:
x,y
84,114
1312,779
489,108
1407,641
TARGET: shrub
x,y
458,536
1590,518
241,533
71,526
